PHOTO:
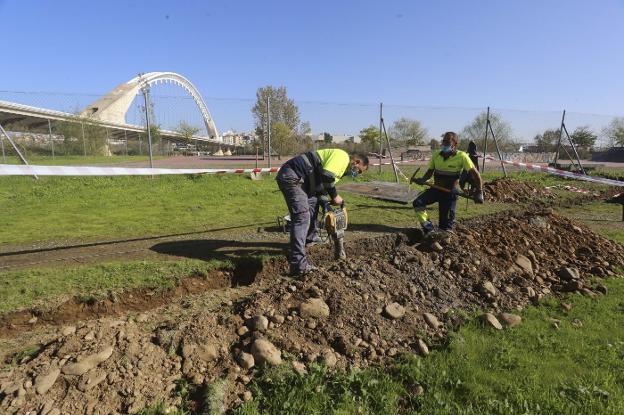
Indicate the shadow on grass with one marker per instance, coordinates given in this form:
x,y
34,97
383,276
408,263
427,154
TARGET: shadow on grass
x,y
246,257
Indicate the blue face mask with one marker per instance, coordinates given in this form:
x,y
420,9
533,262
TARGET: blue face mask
x,y
354,172
446,149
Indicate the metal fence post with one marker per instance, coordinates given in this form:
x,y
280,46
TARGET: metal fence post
x,y
147,123
84,141
51,139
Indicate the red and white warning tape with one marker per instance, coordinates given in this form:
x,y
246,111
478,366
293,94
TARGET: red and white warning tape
x,y
562,173
30,170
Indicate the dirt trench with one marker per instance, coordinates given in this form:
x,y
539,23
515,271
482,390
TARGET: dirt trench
x,y
400,293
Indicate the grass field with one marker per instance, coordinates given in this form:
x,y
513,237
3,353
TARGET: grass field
x,y
75,160
96,208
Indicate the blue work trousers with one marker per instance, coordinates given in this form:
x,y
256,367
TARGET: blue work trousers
x,y
303,211
446,206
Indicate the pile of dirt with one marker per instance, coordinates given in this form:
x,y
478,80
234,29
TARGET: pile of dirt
x,y
397,293
506,190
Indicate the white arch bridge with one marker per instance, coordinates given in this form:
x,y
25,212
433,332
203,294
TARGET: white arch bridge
x,y
110,111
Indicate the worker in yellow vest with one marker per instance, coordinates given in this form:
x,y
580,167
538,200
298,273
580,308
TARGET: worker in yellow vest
x,y
302,180
446,167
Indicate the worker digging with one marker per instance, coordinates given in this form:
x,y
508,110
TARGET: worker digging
x,y
446,167
302,180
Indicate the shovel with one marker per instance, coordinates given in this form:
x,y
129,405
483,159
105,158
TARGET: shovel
x,y
440,188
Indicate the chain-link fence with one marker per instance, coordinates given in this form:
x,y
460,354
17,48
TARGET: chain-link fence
x,y
413,131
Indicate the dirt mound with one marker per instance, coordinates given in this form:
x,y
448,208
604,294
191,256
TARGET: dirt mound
x,y
397,293
508,190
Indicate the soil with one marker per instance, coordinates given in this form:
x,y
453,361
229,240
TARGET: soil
x,y
506,190
397,293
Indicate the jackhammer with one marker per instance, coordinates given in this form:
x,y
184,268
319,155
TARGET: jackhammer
x,y
335,220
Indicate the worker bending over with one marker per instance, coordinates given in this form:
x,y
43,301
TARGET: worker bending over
x,y
446,167
302,180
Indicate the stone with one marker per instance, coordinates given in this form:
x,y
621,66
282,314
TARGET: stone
x,y
488,288
277,319
264,351
566,306
510,320
44,382
568,274
258,323
524,263
90,380
142,318
601,288
422,348
431,320
329,358
88,362
68,330
299,368
89,336
247,396
530,291
394,311
572,286
245,360
492,321
208,352
437,247
315,308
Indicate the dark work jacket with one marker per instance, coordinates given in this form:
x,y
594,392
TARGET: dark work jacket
x,y
312,173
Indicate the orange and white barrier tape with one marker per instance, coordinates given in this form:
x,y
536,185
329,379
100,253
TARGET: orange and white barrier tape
x,y
561,173
30,170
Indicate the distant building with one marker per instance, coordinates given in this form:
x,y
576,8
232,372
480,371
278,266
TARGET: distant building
x,y
238,139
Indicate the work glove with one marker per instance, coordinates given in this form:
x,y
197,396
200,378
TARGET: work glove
x,y
478,197
455,191
421,181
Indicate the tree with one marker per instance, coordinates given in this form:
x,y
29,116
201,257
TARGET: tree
x,y
370,137
305,129
434,144
327,138
283,109
408,131
547,141
186,130
475,131
282,137
583,137
615,132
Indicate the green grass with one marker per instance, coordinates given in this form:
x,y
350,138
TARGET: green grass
x,y
55,209
604,218
75,160
25,288
530,369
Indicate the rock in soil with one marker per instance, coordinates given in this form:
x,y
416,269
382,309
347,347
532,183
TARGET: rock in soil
x,y
264,351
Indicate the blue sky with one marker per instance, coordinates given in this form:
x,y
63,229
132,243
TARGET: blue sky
x,y
528,55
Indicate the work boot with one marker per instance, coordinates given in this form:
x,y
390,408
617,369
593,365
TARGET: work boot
x,y
427,227
314,241
301,272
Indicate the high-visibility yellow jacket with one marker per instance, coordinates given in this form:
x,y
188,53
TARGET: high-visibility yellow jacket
x,y
447,170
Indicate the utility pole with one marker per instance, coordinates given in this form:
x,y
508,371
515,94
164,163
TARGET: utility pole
x,y
269,126
380,140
